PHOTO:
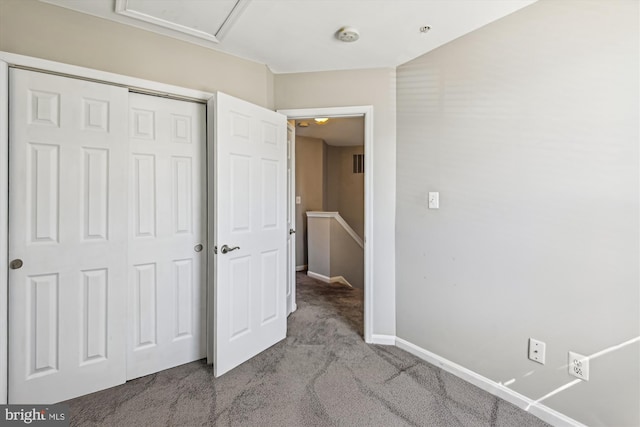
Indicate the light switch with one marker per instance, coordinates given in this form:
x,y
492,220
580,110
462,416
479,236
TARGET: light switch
x,y
434,200
298,200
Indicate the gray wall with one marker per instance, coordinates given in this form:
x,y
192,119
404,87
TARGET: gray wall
x,y
376,87
528,127
309,186
344,189
334,252
30,27
319,232
347,257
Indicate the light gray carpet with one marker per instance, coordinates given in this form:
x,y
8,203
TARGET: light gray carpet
x,y
322,374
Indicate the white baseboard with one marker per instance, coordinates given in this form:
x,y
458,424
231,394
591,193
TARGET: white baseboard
x,y
317,276
326,279
543,412
383,339
301,267
294,307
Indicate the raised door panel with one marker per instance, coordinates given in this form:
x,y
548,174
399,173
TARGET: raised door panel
x,y
145,306
239,303
184,286
240,193
95,113
95,194
44,108
95,291
270,295
182,196
269,187
43,192
43,331
144,198
181,128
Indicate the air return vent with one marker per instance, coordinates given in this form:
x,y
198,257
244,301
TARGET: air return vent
x,y
358,163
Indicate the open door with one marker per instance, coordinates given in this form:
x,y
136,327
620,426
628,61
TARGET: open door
x,y
250,231
291,217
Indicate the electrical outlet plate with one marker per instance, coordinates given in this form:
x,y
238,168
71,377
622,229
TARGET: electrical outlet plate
x,y
434,200
537,350
579,366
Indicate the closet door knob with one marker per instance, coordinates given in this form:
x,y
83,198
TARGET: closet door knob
x,y
15,264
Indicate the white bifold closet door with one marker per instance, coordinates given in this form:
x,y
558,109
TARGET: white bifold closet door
x,y
68,227
167,217
106,218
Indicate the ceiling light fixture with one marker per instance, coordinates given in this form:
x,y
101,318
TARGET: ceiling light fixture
x,y
321,120
303,124
348,34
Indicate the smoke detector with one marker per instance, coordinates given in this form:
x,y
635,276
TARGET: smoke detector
x,y
347,34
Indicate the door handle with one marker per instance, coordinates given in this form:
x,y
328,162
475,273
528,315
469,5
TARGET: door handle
x,y
292,231
198,248
15,264
224,249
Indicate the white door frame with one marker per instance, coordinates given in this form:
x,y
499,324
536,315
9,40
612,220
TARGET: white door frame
x,y
367,112
13,60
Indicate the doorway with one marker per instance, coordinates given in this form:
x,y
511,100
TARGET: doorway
x,y
366,112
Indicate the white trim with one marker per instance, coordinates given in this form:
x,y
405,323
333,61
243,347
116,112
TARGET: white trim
x,y
321,214
320,277
4,231
102,76
356,111
341,221
332,279
301,267
11,59
383,339
121,9
541,411
211,236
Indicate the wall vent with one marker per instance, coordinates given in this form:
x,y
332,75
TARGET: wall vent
x,y
358,163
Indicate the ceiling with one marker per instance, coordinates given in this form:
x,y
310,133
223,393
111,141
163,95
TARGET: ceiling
x,y
339,131
299,35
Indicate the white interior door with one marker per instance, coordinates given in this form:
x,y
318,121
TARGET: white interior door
x,y
291,217
69,230
167,217
251,215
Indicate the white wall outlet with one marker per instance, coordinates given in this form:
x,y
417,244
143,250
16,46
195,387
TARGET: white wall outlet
x,y
579,366
298,200
434,200
537,350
